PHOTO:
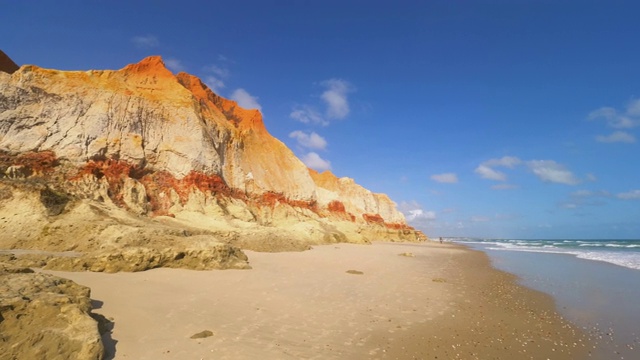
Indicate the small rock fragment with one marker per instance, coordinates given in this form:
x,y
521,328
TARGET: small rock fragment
x,y
202,334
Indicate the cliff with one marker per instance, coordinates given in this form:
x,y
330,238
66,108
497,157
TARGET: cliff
x,y
95,160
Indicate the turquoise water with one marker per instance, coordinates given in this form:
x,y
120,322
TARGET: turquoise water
x,y
596,284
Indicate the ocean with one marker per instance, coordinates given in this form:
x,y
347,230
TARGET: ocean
x,y
595,283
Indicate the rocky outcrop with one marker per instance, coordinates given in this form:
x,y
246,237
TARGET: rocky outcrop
x,y
6,64
213,256
77,148
45,317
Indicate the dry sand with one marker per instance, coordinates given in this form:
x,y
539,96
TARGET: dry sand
x,y
344,301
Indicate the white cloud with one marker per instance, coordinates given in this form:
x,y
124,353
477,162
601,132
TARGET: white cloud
x,y
413,212
336,98
486,172
583,197
480,219
591,177
585,194
312,140
549,170
221,72
419,214
174,64
214,77
504,187
627,119
245,99
449,178
617,136
629,195
486,169
145,41
336,103
633,108
308,115
214,83
314,161
607,113
582,193
506,161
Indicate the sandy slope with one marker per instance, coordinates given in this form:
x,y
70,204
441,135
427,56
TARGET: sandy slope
x,y
443,301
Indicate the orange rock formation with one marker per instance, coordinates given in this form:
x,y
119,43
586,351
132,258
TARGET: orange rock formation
x,y
158,144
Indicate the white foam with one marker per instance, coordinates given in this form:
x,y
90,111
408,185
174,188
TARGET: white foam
x,y
629,260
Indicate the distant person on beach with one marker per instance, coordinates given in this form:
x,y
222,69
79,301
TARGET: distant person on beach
x,y
440,240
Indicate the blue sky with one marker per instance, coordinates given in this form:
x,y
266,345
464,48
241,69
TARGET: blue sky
x,y
479,118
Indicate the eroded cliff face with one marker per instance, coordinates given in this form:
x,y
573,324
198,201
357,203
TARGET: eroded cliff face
x,y
164,147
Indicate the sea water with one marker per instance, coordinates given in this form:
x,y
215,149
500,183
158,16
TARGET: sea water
x,y
596,284
618,252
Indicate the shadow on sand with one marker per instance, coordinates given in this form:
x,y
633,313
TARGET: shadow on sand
x,y
105,327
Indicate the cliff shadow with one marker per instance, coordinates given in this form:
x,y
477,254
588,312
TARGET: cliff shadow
x,y
105,327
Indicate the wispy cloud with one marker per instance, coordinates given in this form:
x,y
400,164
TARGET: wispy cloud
x,y
309,140
215,75
617,136
145,41
336,104
506,161
633,107
629,195
486,169
448,178
618,119
486,172
314,161
222,72
545,170
504,187
174,64
214,83
308,115
479,218
245,99
551,171
582,198
613,118
335,98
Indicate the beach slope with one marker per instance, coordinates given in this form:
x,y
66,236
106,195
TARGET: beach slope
x,y
341,301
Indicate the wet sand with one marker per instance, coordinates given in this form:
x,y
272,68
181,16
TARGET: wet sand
x,y
343,301
600,297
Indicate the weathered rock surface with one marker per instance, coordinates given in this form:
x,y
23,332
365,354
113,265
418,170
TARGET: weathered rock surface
x,y
45,317
213,256
94,161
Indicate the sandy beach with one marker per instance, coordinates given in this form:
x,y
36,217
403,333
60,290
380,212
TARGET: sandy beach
x,y
341,301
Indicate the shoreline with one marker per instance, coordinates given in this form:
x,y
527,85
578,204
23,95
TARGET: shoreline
x,y
492,316
339,301
598,296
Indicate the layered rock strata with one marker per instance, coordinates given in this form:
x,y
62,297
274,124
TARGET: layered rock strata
x,y
91,159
